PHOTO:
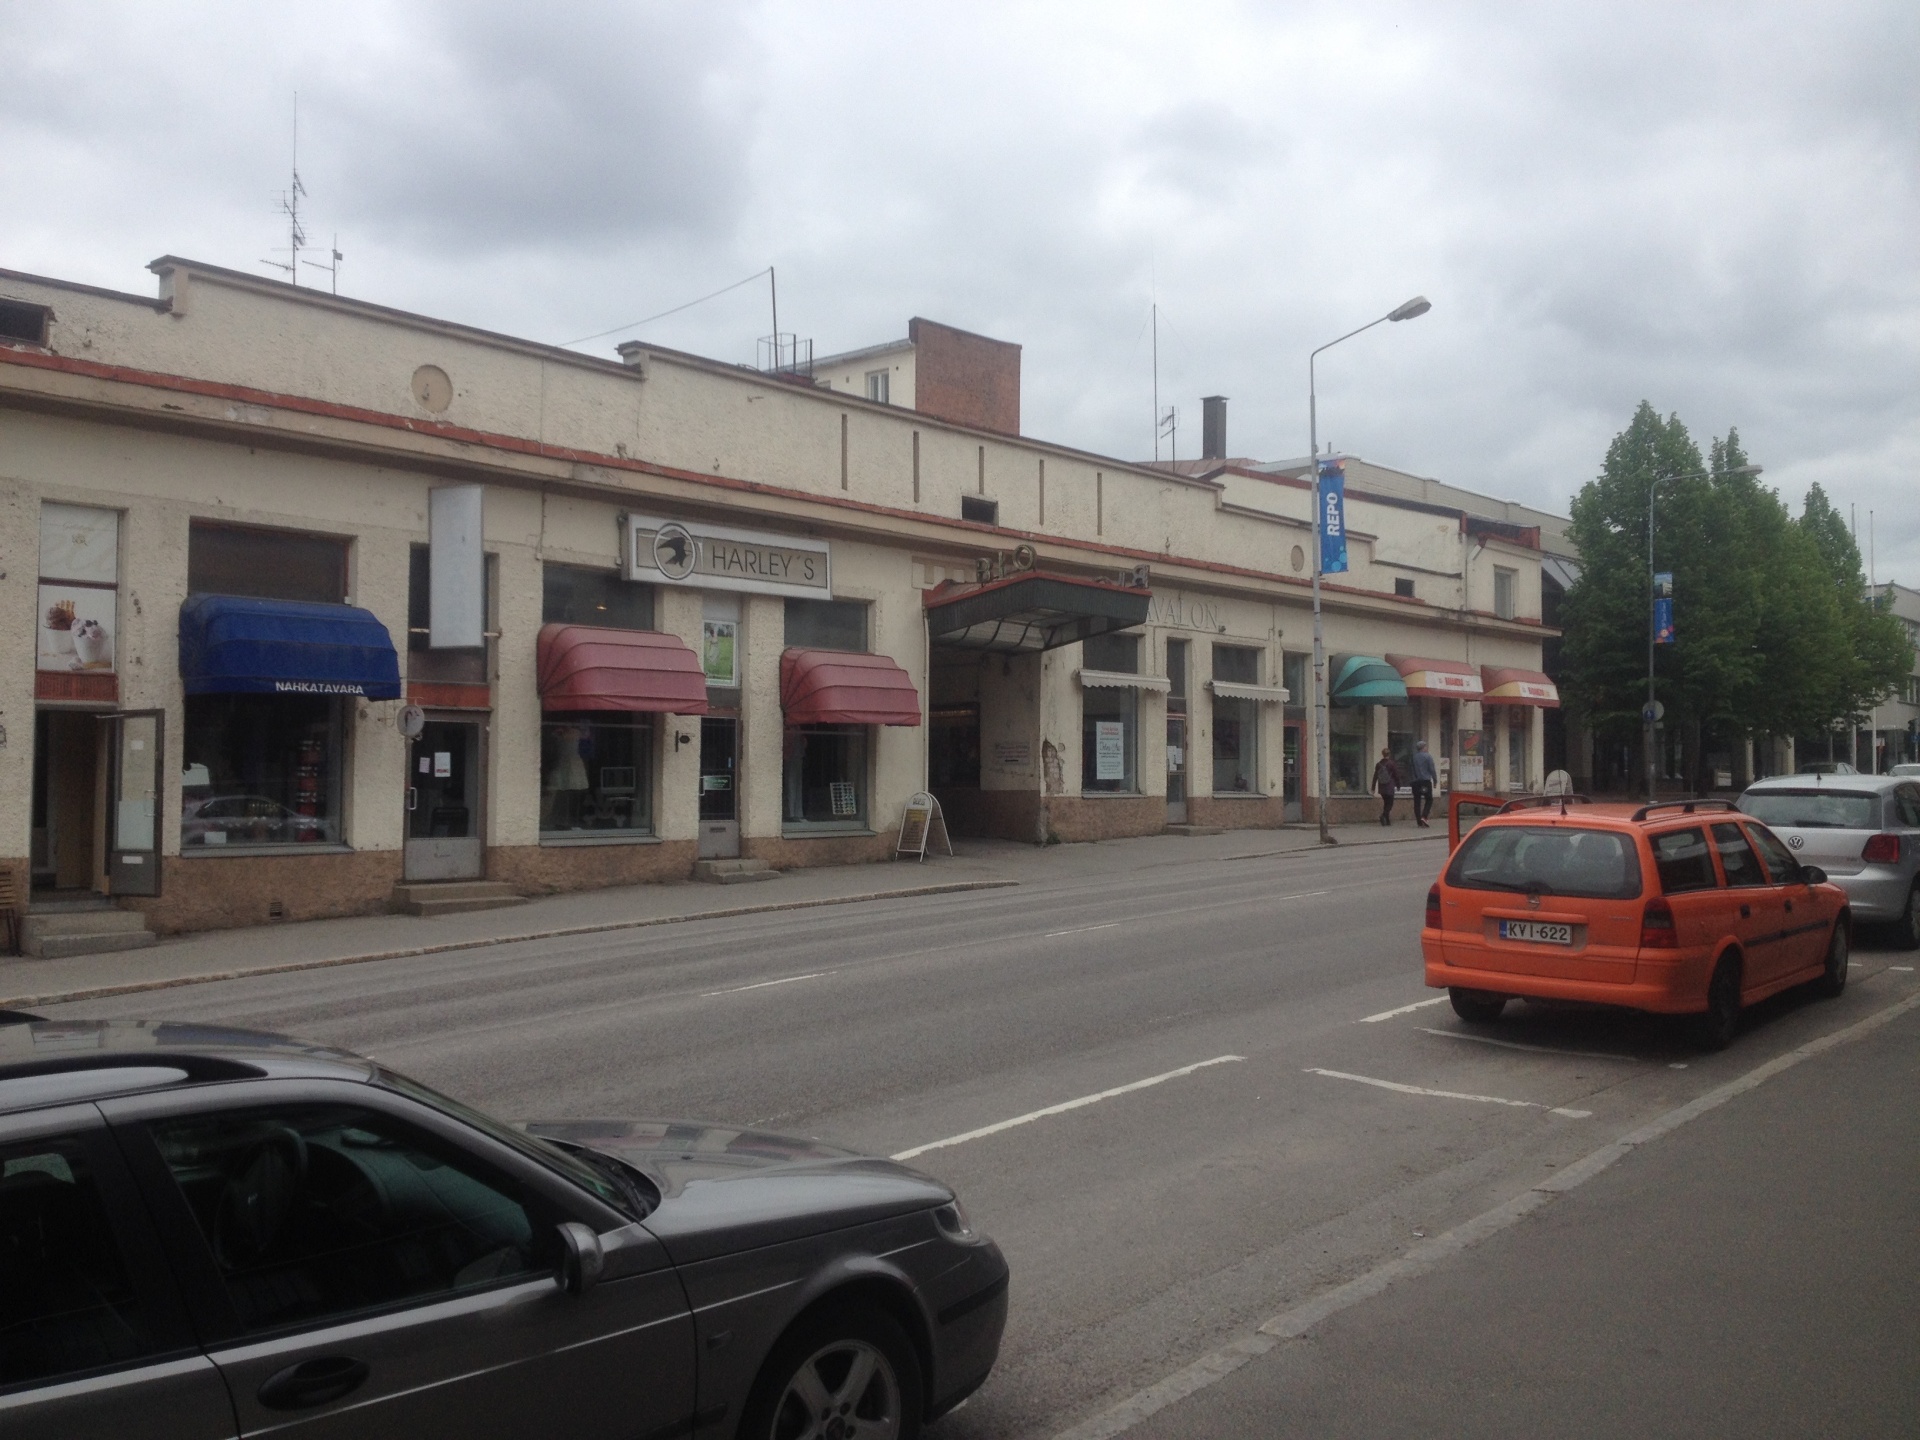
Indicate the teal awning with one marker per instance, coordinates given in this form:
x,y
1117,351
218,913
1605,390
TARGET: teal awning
x,y
1364,680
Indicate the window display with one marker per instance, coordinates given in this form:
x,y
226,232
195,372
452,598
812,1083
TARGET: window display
x,y
1109,717
1236,723
1348,770
261,770
824,775
596,773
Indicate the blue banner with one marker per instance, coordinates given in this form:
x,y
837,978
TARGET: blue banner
x,y
1330,500
1663,620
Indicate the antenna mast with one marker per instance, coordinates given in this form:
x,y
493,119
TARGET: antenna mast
x,y
290,205
1156,379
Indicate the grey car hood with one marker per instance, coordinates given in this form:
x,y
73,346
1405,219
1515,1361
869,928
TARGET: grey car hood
x,y
725,1189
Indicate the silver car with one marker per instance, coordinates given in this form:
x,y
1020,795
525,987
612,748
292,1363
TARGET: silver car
x,y
1863,830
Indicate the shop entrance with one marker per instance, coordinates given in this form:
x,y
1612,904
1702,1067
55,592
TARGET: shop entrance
x,y
1176,769
719,787
1293,745
444,816
68,769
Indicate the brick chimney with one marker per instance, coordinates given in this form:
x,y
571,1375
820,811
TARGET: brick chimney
x,y
966,378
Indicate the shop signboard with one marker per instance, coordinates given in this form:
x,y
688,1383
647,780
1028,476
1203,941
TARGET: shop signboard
x,y
720,557
1109,749
1330,496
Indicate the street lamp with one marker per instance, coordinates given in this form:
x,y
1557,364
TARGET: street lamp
x,y
1414,308
1648,716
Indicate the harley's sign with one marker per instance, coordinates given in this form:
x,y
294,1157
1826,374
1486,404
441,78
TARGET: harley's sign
x,y
717,557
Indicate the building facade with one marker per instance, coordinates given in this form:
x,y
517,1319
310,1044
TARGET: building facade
x,y
307,597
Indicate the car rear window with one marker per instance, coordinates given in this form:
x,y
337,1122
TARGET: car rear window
x,y
1683,862
1547,860
1814,809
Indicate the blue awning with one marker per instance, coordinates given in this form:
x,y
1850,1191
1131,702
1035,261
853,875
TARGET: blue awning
x,y
234,644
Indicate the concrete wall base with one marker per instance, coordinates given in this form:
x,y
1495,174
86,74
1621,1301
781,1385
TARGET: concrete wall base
x,y
785,852
1255,812
550,869
238,890
1073,818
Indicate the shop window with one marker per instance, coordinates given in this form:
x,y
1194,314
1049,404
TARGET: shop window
x,y
78,604
465,666
824,776
1110,718
1504,582
1517,729
1403,729
1177,677
596,773
827,624
1296,673
576,595
261,770
980,510
1347,768
1236,723
266,564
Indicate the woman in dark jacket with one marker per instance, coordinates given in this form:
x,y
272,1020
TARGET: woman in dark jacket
x,y
1386,779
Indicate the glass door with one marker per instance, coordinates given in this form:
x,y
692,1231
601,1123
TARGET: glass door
x,y
1290,771
444,821
1176,769
719,787
133,785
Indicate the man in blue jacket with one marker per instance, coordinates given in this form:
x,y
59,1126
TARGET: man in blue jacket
x,y
1425,776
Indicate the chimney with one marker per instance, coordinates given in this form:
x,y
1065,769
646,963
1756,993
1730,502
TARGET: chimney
x,y
966,378
1213,427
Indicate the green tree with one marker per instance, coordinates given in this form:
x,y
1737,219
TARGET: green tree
x,y
1870,656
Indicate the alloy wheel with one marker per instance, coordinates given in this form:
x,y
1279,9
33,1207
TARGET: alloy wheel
x,y
845,1390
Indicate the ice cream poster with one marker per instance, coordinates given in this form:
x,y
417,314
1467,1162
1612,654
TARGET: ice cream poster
x,y
76,624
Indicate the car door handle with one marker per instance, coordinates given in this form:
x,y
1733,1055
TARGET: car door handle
x,y
1746,912
313,1382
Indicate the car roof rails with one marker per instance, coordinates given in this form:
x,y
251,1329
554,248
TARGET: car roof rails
x,y
1541,802
1685,807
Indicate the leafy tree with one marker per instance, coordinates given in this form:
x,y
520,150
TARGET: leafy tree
x,y
1871,656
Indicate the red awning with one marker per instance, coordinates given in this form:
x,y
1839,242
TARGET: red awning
x,y
1450,679
842,687
583,667
1508,686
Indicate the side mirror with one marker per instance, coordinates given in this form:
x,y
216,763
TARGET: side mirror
x,y
582,1257
1812,875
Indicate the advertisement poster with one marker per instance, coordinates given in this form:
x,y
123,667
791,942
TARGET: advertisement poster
x,y
76,627
1109,749
1332,496
1473,764
717,655
79,566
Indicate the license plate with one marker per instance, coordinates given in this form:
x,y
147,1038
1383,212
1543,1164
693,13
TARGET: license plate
x,y
1537,931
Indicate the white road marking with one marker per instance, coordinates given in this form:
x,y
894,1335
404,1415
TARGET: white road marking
x,y
763,984
1403,1010
1449,1094
1535,1049
1064,1106
1079,930
1908,968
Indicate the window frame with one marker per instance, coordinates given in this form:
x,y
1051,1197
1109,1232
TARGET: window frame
x,y
344,543
1714,879
844,603
1507,577
860,823
337,784
980,509
647,768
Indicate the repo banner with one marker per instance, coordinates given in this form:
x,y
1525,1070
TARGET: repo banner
x,y
1331,499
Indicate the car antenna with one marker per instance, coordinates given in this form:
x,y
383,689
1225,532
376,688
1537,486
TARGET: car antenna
x,y
1563,803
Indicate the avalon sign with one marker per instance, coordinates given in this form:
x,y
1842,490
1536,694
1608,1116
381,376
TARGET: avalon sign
x,y
718,557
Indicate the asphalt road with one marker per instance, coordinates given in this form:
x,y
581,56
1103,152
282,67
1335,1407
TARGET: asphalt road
x,y
1145,1229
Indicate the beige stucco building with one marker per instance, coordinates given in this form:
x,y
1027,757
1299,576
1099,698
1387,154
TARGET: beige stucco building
x,y
304,598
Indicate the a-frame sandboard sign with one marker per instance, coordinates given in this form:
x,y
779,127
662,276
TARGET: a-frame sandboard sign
x,y
917,827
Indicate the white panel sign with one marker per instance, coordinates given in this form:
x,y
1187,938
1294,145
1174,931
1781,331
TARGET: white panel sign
x,y
457,570
1109,750
717,557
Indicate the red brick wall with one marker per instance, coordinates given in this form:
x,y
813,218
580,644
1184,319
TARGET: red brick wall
x,y
220,893
1253,813
1074,817
550,869
965,378
796,853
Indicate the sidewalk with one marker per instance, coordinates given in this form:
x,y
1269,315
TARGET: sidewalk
x,y
975,865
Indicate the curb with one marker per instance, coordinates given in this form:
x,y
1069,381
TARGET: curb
x,y
135,987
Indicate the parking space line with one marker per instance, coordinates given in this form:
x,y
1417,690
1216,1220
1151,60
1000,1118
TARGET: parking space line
x,y
1534,1049
1449,1094
764,984
1403,1010
1079,930
1064,1106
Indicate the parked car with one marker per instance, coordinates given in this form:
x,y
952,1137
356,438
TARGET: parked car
x,y
1827,767
1863,830
1906,767
209,1232
1681,908
245,819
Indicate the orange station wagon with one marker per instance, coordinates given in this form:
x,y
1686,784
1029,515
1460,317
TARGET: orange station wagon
x,y
1687,908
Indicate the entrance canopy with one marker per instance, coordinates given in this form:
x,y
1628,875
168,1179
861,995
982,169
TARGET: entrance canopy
x,y
1449,679
844,687
235,644
1508,686
586,667
1363,680
1031,611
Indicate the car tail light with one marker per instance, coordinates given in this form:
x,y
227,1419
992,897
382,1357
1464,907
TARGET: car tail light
x,y
1433,907
1656,927
1882,849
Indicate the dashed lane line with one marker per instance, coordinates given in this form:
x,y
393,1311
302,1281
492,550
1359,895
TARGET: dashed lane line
x,y
767,984
1449,1094
1532,1049
1080,930
1064,1106
1403,1010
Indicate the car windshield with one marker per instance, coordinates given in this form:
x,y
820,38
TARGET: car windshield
x,y
609,1185
1547,860
1814,809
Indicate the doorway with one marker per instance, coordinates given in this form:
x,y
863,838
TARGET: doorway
x,y
67,835
444,818
1290,772
719,787
1176,769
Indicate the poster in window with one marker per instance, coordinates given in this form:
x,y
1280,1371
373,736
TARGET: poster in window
x,y
717,653
79,542
1473,764
1109,749
845,802
76,628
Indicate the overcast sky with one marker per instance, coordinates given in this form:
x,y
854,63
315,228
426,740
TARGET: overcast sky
x,y
1709,206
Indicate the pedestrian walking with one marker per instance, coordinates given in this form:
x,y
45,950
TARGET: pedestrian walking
x,y
1386,779
1425,776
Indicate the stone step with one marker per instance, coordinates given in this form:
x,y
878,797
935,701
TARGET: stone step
x,y
60,947
104,921
733,872
453,897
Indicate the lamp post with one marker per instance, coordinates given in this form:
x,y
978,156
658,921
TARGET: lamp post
x,y
1415,307
1647,715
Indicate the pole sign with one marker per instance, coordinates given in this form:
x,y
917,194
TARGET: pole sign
x,y
1663,607
1330,497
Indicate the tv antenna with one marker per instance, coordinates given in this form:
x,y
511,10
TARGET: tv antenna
x,y
289,205
332,266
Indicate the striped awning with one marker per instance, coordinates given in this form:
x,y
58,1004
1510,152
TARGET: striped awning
x,y
1450,679
1265,694
1363,680
1116,680
1506,685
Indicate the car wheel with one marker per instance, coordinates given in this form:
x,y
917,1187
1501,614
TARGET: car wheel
x,y
1906,929
846,1373
1833,979
1721,1022
1476,1007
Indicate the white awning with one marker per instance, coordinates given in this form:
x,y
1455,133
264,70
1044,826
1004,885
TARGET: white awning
x,y
1114,680
1265,694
